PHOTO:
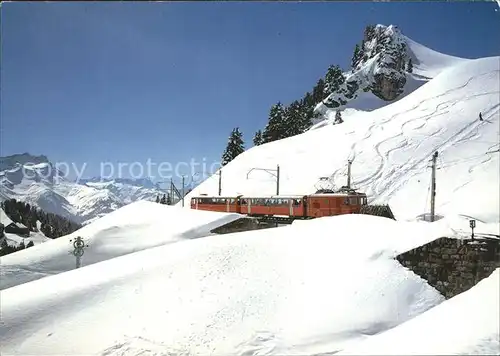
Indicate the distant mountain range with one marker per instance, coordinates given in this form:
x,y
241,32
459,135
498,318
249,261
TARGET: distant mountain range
x,y
35,180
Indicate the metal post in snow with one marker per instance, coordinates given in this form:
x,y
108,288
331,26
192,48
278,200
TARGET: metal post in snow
x,y
433,186
78,251
220,181
182,191
349,162
278,179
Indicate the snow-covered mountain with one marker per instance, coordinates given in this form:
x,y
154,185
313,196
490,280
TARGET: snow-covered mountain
x,y
386,67
35,180
391,147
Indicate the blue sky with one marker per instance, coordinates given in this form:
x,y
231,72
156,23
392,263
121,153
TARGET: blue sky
x,y
125,82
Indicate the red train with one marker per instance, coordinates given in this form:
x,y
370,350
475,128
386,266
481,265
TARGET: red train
x,y
299,207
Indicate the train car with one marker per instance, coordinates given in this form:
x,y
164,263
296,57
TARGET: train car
x,y
334,204
221,204
298,206
288,206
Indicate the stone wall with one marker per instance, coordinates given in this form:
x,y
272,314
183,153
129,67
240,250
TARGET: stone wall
x,y
453,266
243,224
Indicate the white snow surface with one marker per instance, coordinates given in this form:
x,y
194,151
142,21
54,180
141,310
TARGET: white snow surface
x,y
467,324
311,287
135,227
427,62
391,150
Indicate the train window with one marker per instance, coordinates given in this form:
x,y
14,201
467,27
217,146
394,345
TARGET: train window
x,y
296,202
346,201
354,201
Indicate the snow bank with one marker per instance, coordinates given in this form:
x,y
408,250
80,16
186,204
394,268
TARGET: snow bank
x,y
311,287
135,227
466,324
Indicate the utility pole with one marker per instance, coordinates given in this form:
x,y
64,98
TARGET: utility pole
x,y
220,181
433,185
171,192
183,191
278,179
277,175
349,162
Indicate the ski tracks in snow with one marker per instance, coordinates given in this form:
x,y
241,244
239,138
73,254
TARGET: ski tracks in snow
x,y
385,187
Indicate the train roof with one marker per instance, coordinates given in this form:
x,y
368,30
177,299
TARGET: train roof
x,y
343,194
291,196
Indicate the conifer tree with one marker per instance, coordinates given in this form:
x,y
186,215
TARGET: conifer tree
x,y
276,127
356,57
318,91
157,198
369,32
338,118
257,139
293,119
163,199
333,80
235,146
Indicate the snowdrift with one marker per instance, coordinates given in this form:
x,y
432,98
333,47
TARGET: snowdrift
x,y
466,324
311,287
135,227
392,147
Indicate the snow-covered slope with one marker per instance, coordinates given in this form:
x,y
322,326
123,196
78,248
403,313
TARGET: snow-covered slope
x,y
391,148
43,186
135,227
467,324
427,62
300,289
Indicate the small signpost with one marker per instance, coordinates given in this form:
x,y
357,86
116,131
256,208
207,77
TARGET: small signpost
x,y
79,246
472,224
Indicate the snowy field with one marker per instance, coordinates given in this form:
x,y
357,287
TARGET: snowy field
x,y
311,287
467,324
135,227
